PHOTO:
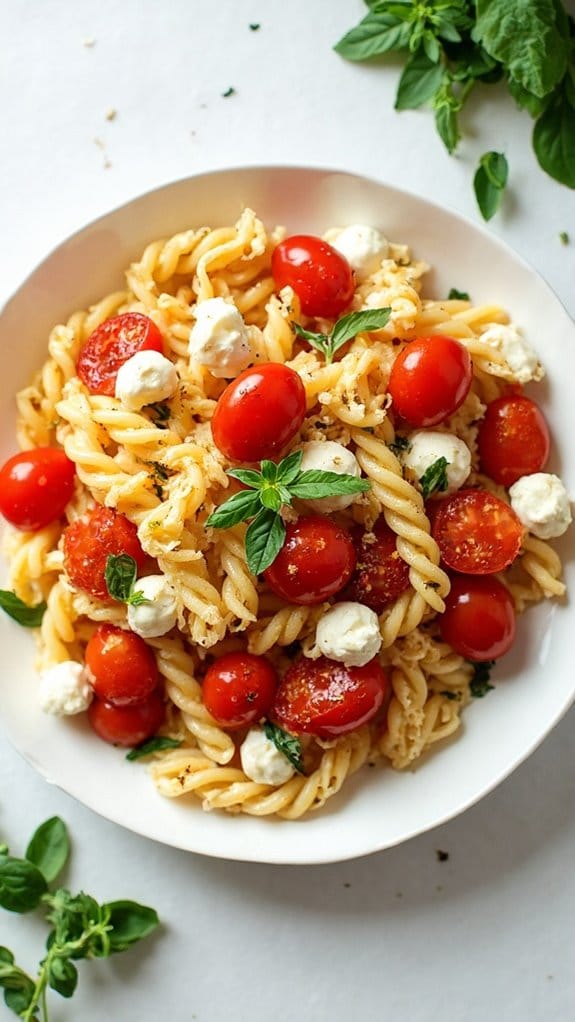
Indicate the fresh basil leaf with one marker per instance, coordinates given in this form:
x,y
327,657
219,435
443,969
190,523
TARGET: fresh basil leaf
x,y
315,484
564,237
535,105
447,126
377,33
62,976
489,182
130,923
264,540
419,82
434,479
461,296
21,884
269,497
237,508
356,323
29,617
289,468
496,168
248,476
554,139
6,957
431,47
287,744
269,471
157,744
121,573
480,685
524,36
18,996
318,341
49,848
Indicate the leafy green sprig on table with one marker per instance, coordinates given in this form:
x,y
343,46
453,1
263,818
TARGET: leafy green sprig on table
x,y
269,490
80,926
452,45
346,328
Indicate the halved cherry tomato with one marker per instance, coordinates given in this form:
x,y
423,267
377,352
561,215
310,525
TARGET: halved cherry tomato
x,y
320,276
127,725
315,562
113,343
479,618
239,688
477,533
89,542
380,574
35,487
121,666
259,413
513,439
429,379
326,699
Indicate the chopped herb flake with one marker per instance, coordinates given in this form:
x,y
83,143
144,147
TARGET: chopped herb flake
x,y
480,685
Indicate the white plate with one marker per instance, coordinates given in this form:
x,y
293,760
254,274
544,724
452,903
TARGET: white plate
x,y
535,684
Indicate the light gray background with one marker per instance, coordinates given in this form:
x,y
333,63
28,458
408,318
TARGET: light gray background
x,y
484,935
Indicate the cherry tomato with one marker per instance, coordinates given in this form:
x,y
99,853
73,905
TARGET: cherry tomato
x,y
315,562
429,379
89,542
513,439
477,533
326,699
259,413
127,725
239,688
380,575
35,487
121,667
479,618
112,344
320,276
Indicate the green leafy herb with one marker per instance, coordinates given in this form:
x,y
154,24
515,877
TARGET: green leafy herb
x,y
344,330
121,574
79,926
489,182
554,138
461,296
229,92
270,489
399,445
287,744
434,479
480,685
156,744
254,26
564,237
30,617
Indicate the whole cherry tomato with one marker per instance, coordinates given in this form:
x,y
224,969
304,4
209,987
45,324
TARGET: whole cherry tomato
x,y
121,667
513,439
326,699
315,562
127,725
479,618
477,533
320,276
381,575
259,413
89,542
429,379
239,689
113,343
35,487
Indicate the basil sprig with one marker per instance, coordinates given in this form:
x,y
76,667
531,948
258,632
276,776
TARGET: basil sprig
x,y
29,617
434,479
121,574
287,744
156,744
489,183
270,489
344,330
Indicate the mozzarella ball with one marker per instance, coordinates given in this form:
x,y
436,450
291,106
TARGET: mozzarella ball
x,y
160,614
146,377
427,445
219,339
364,247
542,505
262,761
349,632
65,689
519,354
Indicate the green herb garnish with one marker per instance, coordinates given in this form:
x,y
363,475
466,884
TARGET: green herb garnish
x,y
479,685
399,445
344,330
489,183
121,574
287,744
229,92
434,479
80,927
156,744
564,237
270,489
29,617
461,296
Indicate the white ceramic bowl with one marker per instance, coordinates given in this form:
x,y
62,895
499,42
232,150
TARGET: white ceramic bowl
x,y
535,684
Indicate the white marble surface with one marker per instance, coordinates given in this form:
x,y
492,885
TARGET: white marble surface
x,y
485,934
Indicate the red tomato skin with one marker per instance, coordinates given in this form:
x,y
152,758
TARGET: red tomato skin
x,y
35,487
259,413
479,618
127,725
513,439
381,575
89,542
315,562
430,379
121,667
326,699
239,689
320,275
477,533
113,343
